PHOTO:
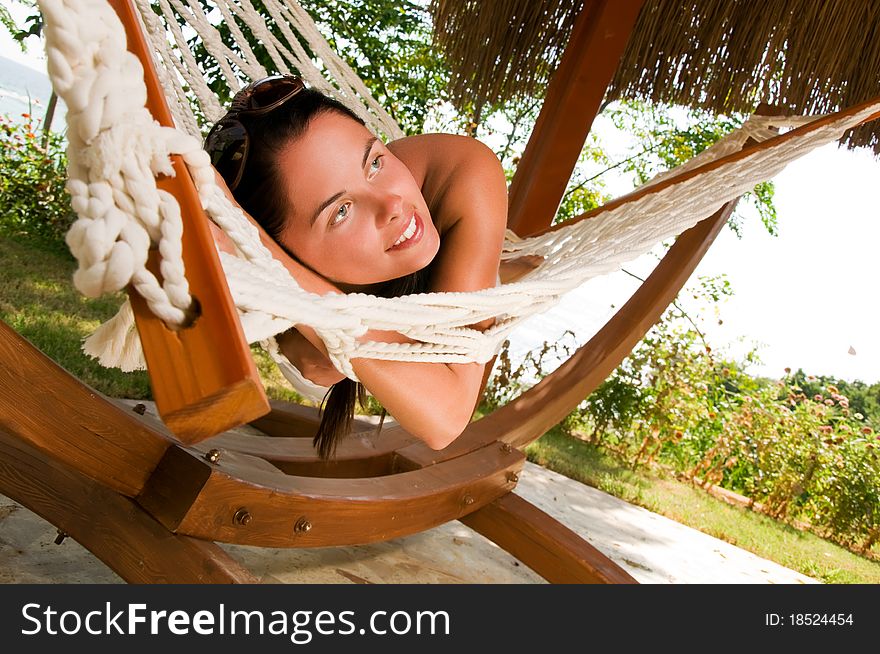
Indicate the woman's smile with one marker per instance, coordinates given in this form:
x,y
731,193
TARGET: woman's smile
x,y
411,235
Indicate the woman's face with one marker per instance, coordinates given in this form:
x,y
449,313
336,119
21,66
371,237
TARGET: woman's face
x,y
358,215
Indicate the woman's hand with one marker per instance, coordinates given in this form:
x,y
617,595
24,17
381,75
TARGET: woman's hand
x,y
514,269
314,365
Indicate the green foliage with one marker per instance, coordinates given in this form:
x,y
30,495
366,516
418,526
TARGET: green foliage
x,y
797,446
805,457
33,24
388,44
33,197
666,136
658,138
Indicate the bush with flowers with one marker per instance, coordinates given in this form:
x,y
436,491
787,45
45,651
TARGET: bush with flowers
x,y
33,170
794,446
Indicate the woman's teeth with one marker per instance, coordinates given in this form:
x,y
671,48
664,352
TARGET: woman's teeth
x,y
407,233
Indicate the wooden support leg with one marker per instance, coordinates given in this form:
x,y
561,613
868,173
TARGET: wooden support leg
x,y
545,545
111,526
573,99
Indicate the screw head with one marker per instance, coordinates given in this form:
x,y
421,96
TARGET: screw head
x,y
468,499
242,517
213,455
302,525
512,477
506,448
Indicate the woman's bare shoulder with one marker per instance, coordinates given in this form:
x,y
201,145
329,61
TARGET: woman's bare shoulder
x,y
439,154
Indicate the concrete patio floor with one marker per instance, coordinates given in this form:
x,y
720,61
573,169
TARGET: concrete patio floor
x,y
652,548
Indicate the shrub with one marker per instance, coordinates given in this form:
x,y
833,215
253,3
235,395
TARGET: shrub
x,y
34,201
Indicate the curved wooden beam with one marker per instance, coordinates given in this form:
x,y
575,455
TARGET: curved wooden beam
x,y
112,527
246,502
365,452
544,544
356,456
52,411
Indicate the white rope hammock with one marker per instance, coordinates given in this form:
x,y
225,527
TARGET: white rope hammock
x,y
116,149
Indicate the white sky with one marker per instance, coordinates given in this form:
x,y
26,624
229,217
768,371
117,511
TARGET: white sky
x,y
808,295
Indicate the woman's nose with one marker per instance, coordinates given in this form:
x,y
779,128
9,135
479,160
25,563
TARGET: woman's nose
x,y
390,208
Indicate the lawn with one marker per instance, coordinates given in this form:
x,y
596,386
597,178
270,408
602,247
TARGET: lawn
x,y
683,502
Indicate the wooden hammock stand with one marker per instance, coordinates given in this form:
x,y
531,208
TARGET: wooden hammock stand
x,y
151,500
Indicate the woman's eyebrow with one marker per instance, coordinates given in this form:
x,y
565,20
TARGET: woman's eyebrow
x,y
326,203
367,148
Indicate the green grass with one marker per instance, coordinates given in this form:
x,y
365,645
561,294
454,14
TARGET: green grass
x,y
768,538
37,299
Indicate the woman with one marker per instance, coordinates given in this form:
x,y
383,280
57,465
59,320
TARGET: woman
x,y
346,213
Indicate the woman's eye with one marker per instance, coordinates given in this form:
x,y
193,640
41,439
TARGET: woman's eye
x,y
340,215
375,164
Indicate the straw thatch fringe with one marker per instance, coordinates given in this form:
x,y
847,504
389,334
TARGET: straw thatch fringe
x,y
721,55
503,48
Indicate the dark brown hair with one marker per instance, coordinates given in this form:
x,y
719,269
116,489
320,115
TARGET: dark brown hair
x,y
262,194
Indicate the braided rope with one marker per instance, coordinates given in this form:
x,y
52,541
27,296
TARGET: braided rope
x,y
116,150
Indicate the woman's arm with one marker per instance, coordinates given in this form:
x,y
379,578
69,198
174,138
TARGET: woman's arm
x,y
465,188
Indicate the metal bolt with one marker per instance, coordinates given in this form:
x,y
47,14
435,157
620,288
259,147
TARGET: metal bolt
x,y
60,537
213,455
512,477
468,500
302,525
242,517
139,409
506,448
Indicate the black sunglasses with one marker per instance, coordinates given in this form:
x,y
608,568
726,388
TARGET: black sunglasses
x,y
228,143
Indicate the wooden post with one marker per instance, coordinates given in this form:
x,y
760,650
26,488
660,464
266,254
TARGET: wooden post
x,y
203,377
574,96
544,544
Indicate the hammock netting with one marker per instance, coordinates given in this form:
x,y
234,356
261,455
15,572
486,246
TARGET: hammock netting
x,y
116,149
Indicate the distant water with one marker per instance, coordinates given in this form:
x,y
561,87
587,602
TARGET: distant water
x,y
25,90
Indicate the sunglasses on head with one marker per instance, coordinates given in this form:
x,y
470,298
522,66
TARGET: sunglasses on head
x,y
228,143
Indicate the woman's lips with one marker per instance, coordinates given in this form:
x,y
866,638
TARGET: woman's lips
x,y
419,230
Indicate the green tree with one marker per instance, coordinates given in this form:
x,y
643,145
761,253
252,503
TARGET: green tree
x,y
388,44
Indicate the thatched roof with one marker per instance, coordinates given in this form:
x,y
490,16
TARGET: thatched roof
x,y
811,56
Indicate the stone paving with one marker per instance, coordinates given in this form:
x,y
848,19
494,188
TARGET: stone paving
x,y
652,548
